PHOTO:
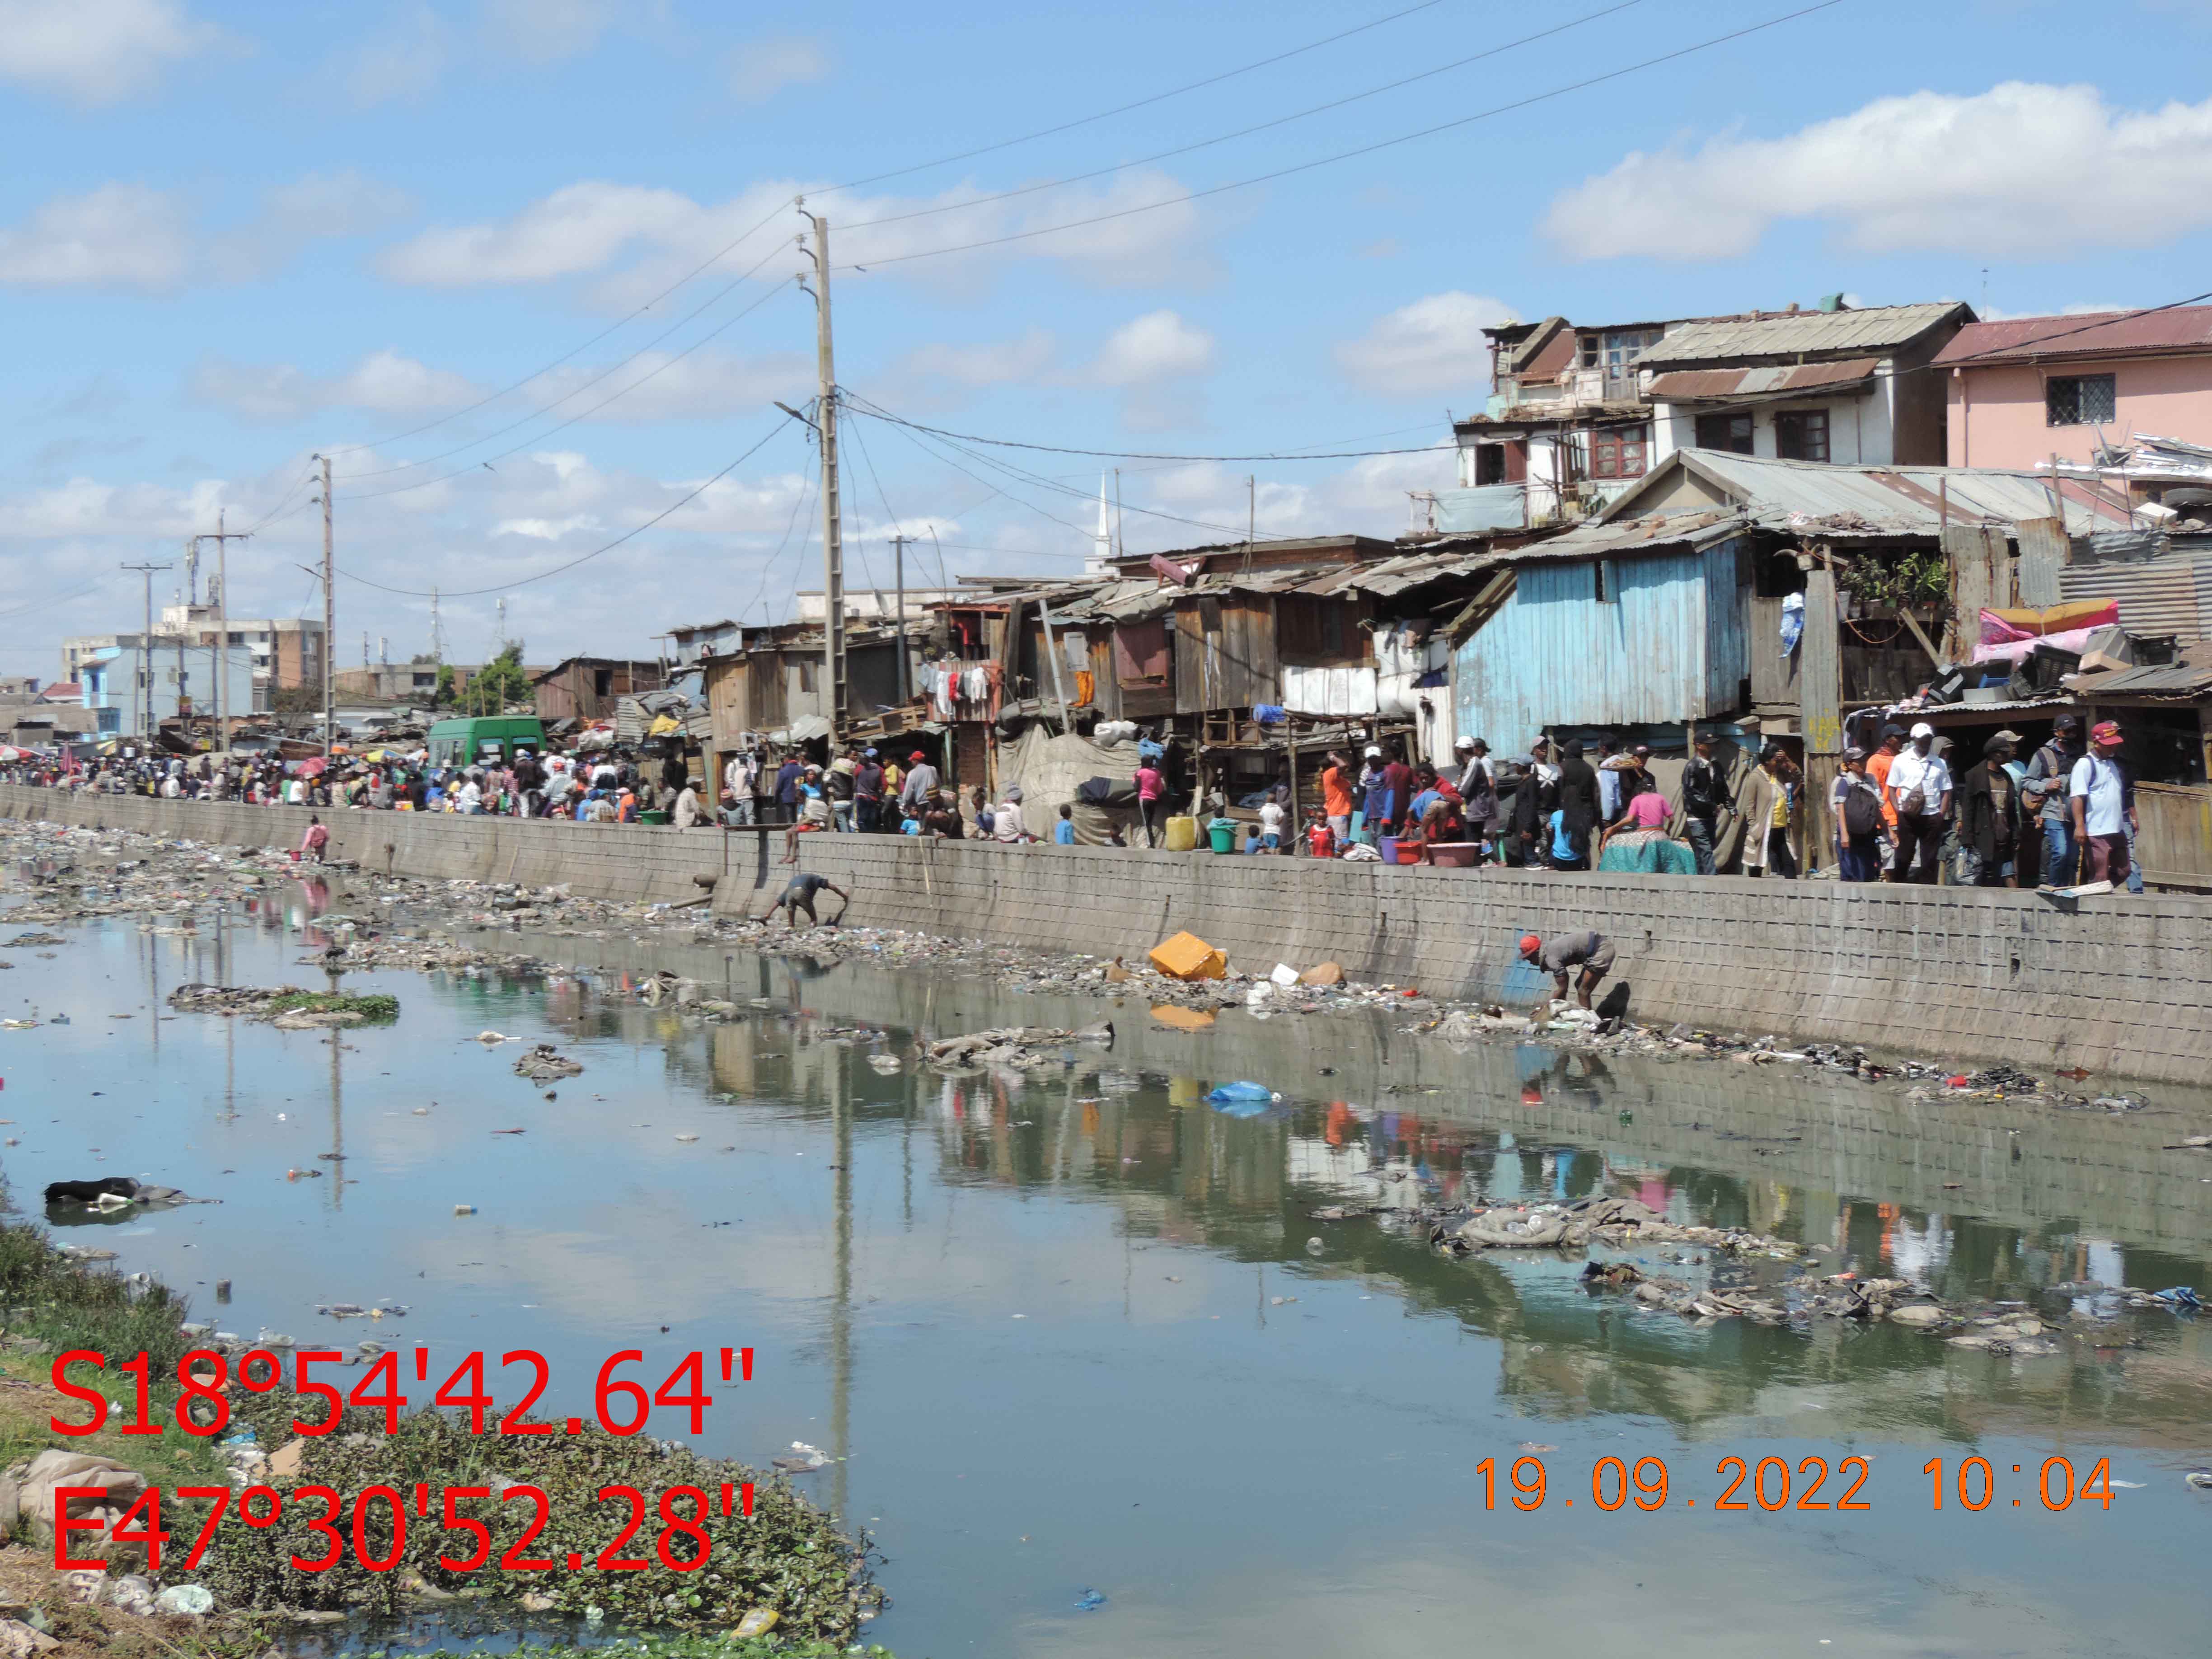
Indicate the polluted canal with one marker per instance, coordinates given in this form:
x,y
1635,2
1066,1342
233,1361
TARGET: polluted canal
x,y
1103,1366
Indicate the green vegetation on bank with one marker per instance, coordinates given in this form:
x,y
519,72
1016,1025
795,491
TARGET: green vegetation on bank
x,y
377,1010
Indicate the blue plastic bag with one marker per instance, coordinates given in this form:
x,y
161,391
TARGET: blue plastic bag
x,y
1241,1099
1090,1601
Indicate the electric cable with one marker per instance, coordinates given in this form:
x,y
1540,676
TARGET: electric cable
x,y
713,260
1364,149
627,535
1141,103
499,432
485,462
1242,132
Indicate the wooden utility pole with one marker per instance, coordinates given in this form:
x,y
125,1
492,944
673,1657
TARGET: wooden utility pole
x,y
833,543
144,715
898,582
330,614
222,538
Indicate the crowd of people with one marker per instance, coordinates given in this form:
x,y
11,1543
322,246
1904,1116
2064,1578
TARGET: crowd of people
x,y
2061,815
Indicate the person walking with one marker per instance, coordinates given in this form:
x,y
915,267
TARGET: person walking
x,y
2046,792
1336,797
1919,790
1705,791
868,794
1771,819
1878,765
2096,797
1151,793
1988,820
1855,805
1478,791
1580,807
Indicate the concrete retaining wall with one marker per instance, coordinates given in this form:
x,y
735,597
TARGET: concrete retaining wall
x,y
2125,986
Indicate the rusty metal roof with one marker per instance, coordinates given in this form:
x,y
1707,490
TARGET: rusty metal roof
x,y
2190,676
1791,334
1842,501
1657,533
1728,385
2097,334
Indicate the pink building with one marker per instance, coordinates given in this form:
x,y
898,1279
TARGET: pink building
x,y
2022,391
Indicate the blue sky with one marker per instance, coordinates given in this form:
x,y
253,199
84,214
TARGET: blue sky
x,y
235,234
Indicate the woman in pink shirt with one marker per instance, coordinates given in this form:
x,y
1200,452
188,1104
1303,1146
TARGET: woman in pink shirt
x,y
1151,789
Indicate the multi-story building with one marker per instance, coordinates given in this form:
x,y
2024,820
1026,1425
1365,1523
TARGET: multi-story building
x,y
1577,415
286,653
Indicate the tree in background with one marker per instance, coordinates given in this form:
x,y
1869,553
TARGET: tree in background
x,y
498,683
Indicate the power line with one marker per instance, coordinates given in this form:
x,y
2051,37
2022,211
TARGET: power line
x,y
627,535
797,507
1137,455
622,322
1246,132
498,432
1363,149
1141,103
581,414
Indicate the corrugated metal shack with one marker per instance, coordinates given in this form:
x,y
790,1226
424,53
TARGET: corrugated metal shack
x,y
587,688
1669,608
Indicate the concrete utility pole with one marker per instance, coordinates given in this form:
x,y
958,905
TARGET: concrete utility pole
x,y
898,583
833,543
143,716
330,613
222,538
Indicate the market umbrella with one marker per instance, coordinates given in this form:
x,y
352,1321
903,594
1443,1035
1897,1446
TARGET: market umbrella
x,y
312,769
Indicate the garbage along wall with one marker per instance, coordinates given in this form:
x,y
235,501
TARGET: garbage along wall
x,y
2122,986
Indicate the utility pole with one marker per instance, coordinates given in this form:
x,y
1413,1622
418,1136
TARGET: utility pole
x,y
330,613
143,716
437,644
222,538
898,580
833,543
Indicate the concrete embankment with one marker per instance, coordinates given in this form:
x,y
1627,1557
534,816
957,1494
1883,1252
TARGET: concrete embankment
x,y
2123,986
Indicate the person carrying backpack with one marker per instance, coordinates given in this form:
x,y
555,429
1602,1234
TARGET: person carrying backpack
x,y
1856,804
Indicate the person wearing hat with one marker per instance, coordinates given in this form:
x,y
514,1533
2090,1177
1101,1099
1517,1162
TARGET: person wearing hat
x,y
1563,953
1478,789
1878,764
2044,792
1855,805
1579,806
921,784
2098,796
1989,820
1007,819
1919,790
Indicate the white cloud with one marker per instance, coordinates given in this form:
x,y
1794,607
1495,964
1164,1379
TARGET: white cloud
x,y
118,236
384,383
133,236
548,31
660,387
1434,344
95,51
760,68
1158,346
405,59
1000,363
637,239
2024,170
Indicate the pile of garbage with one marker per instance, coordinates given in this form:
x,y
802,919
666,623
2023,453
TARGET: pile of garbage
x,y
546,1064
1013,1047
1622,1223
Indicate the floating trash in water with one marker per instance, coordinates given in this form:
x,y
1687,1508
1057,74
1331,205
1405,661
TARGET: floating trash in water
x,y
1090,1601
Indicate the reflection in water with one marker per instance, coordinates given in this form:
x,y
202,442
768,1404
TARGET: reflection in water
x,y
1067,1326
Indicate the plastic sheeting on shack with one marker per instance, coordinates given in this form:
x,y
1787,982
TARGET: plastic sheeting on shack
x,y
1050,769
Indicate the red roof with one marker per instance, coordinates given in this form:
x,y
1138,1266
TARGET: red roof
x,y
2097,334
66,691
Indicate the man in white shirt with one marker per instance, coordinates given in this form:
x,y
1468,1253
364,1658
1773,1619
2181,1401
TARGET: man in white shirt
x,y
2097,799
1918,788
1006,816
737,779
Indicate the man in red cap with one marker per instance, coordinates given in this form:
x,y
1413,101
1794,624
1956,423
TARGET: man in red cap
x,y
921,784
1561,954
2096,797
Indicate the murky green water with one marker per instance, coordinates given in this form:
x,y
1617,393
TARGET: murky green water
x,y
1068,1331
